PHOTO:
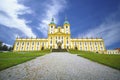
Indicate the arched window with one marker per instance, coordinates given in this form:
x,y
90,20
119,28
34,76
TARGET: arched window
x,y
51,26
17,43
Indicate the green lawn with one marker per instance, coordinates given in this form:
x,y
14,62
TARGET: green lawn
x,y
112,60
9,59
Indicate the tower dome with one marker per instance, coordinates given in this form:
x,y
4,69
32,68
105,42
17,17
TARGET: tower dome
x,y
66,21
52,21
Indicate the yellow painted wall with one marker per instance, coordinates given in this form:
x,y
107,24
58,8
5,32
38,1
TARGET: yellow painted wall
x,y
60,34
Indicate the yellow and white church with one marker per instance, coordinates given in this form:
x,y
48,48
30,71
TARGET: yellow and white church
x,y
59,37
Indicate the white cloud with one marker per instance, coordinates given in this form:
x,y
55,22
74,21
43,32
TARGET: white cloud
x,y
109,30
7,45
51,10
9,16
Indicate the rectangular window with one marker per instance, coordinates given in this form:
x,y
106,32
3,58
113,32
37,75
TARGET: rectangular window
x,y
32,48
67,38
33,43
59,30
80,43
95,43
43,44
67,41
22,48
16,48
62,37
56,41
75,43
91,48
80,48
38,43
28,43
23,43
37,48
90,43
51,42
50,47
27,48
67,47
96,48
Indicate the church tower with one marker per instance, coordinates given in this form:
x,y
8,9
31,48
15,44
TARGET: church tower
x,y
66,26
67,33
52,26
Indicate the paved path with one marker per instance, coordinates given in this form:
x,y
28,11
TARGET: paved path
x,y
60,66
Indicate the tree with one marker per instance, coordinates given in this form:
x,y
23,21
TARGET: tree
x,y
1,45
5,48
10,49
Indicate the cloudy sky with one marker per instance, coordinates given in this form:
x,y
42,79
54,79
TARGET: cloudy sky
x,y
88,18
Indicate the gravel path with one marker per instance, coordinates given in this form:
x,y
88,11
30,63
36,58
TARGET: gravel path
x,y
60,66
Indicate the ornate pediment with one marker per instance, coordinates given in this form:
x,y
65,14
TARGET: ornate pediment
x,y
59,33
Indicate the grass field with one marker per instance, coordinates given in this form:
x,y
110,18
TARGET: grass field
x,y
112,60
9,59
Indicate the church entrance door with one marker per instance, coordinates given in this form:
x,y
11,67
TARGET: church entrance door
x,y
59,45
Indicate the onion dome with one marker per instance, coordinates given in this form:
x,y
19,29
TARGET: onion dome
x,y
66,21
52,21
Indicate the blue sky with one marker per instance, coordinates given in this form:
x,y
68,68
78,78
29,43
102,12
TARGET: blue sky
x,y
88,18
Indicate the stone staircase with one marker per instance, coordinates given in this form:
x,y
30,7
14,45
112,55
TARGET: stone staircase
x,y
59,50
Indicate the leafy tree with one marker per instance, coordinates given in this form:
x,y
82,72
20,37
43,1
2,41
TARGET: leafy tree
x,y
10,49
1,45
5,48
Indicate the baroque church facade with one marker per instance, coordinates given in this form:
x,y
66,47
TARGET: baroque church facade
x,y
59,37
